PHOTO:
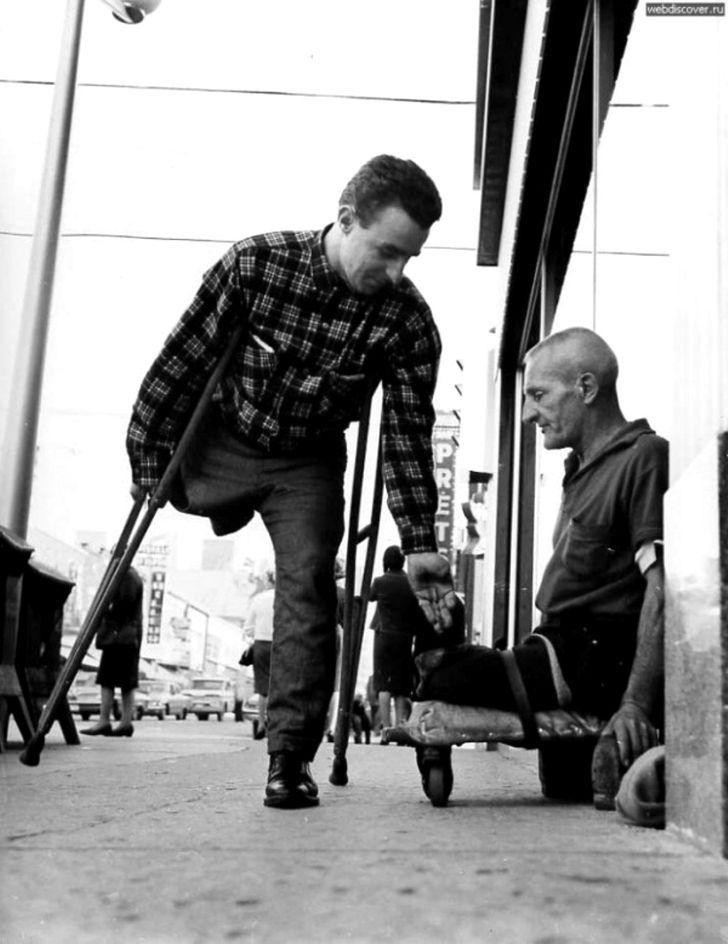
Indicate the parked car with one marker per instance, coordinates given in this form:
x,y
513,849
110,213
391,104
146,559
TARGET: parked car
x,y
83,682
210,696
84,697
243,687
165,698
250,708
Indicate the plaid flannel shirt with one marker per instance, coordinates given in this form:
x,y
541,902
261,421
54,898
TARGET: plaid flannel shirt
x,y
309,353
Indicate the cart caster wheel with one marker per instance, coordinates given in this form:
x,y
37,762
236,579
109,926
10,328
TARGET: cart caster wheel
x,y
436,785
436,770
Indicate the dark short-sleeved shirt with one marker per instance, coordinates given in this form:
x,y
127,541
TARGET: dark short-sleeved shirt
x,y
609,507
303,370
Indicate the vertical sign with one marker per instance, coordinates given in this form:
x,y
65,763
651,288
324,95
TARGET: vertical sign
x,y
444,444
152,562
156,601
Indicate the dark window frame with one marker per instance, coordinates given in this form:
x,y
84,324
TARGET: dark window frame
x,y
567,120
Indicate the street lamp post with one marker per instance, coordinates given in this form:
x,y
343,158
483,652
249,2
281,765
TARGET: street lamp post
x,y
21,430
22,423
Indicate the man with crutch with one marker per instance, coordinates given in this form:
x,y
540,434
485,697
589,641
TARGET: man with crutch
x,y
326,316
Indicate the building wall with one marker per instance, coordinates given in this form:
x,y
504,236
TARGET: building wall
x,y
536,16
697,537
661,303
651,278
621,278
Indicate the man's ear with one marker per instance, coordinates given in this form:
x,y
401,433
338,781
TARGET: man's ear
x,y
588,386
346,217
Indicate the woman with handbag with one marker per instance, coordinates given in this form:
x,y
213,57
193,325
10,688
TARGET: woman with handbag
x,y
119,638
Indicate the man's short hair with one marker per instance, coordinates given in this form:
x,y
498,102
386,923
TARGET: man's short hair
x,y
584,350
391,181
393,558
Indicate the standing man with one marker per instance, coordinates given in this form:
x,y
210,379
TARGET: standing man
x,y
599,646
328,315
395,622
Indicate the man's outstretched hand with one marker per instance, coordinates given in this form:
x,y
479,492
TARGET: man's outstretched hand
x,y
429,574
632,730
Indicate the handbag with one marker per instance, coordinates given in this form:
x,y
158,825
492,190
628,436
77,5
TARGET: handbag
x,y
247,657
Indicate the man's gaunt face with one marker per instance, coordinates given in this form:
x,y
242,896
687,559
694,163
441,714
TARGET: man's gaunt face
x,y
553,402
372,258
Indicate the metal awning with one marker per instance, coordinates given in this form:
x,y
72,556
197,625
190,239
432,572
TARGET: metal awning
x,y
499,62
558,162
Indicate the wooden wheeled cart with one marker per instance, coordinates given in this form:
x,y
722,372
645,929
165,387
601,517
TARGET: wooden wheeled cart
x,y
575,761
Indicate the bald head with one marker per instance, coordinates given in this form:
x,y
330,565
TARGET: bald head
x,y
576,351
569,390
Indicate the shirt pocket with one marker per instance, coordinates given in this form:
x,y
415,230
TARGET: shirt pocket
x,y
255,367
588,549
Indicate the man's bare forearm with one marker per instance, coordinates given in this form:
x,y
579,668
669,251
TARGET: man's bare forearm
x,y
644,687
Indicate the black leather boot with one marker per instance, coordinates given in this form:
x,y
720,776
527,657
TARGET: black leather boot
x,y
290,784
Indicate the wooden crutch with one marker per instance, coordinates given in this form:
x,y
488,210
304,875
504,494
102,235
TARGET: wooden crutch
x,y
355,605
132,535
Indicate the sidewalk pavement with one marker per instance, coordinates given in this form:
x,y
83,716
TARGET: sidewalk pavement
x,y
163,839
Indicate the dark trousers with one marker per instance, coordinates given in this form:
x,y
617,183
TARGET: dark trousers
x,y
301,502
595,659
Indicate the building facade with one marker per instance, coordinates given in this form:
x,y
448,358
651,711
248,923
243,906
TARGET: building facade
x,y
601,161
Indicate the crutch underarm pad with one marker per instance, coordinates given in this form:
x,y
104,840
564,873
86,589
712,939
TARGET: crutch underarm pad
x,y
438,723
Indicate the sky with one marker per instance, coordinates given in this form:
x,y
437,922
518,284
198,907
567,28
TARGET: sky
x,y
190,131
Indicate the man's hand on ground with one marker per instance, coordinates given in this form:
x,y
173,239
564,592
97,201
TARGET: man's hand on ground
x,y
633,731
429,574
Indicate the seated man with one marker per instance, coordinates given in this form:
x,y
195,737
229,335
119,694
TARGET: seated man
x,y
599,646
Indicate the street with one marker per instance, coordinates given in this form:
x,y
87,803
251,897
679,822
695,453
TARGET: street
x,y
173,732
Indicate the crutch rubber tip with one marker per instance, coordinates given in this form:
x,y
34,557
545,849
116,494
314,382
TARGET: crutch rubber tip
x,y
339,776
31,755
